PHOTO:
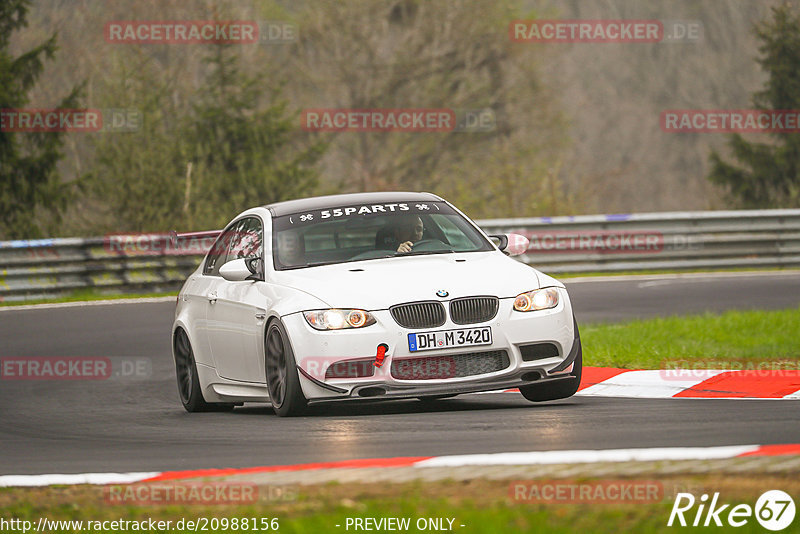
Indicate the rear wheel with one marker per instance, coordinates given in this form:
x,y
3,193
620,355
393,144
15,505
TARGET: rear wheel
x,y
558,389
189,388
282,380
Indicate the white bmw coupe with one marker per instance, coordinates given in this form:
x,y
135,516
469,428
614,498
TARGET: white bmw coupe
x,y
368,296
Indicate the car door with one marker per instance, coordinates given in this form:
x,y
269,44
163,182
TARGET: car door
x,y
201,291
236,312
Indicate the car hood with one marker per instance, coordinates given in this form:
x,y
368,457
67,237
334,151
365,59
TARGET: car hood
x,y
378,284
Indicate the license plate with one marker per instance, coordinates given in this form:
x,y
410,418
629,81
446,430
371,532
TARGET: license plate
x,y
444,339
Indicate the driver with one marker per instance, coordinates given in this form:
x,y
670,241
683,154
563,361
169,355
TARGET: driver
x,y
291,249
408,232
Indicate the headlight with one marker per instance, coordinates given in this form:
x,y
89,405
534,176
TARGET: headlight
x,y
541,299
338,319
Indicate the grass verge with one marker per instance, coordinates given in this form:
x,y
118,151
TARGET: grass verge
x,y
479,505
85,295
753,339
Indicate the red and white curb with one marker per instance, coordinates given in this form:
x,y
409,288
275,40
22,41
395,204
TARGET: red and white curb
x,y
690,383
687,384
503,458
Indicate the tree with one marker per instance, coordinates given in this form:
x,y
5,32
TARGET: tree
x,y
244,154
202,157
441,55
135,183
29,182
769,175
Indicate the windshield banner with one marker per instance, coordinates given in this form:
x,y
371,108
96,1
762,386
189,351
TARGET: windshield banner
x,y
364,210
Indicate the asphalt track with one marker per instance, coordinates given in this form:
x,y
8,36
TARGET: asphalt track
x,y
137,424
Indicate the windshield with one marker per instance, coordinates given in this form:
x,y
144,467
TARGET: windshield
x,y
353,233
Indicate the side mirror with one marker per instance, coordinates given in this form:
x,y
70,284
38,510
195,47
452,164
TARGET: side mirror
x,y
511,244
256,266
238,270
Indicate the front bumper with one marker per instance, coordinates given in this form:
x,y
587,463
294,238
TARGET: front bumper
x,y
315,351
382,390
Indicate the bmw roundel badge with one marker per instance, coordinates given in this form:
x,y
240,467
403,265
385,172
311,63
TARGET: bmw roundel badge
x,y
442,293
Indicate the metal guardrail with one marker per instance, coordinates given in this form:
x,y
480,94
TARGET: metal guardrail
x,y
674,240
46,268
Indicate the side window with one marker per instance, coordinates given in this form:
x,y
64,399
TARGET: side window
x,y
216,256
247,240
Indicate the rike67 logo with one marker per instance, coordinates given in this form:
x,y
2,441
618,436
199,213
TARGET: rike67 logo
x,y
774,510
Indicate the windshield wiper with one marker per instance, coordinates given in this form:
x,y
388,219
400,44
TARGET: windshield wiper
x,y
304,265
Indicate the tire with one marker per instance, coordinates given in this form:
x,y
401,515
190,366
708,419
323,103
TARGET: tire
x,y
281,370
558,389
189,389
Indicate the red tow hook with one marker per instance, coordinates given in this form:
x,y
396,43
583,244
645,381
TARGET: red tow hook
x,y
381,355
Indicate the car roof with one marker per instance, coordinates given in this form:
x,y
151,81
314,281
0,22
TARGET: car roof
x,y
287,207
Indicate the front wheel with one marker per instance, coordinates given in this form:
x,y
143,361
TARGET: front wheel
x,y
189,388
282,380
558,389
